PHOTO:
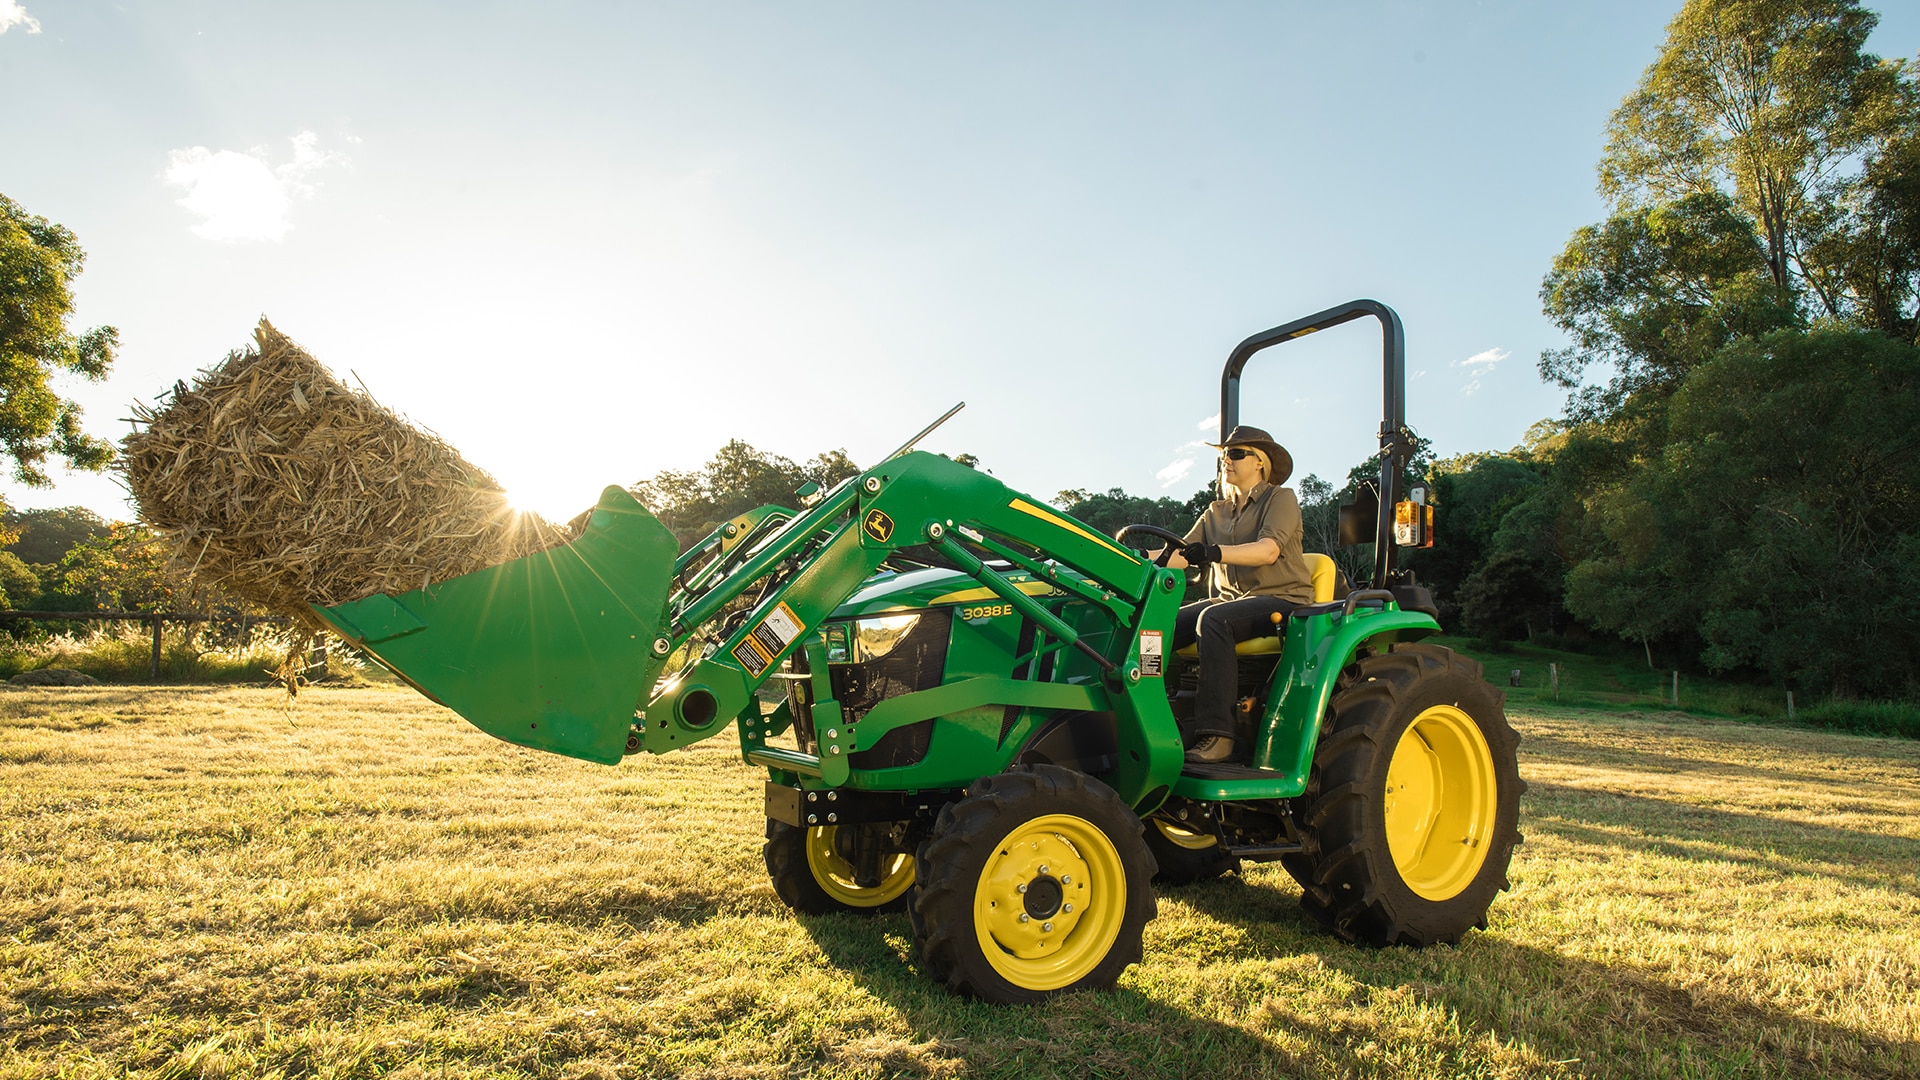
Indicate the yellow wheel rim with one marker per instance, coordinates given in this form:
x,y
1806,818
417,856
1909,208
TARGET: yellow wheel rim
x,y
1440,802
836,876
1186,838
1050,902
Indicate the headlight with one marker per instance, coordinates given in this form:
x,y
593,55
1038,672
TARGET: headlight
x,y
874,638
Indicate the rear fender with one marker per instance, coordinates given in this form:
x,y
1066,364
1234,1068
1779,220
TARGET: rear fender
x,y
1316,650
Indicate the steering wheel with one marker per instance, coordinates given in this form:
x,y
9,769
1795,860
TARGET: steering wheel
x,y
1174,540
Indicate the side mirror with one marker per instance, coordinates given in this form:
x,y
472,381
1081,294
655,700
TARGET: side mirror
x,y
1357,517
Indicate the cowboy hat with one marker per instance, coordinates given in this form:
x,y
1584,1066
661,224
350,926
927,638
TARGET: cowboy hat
x,y
1259,440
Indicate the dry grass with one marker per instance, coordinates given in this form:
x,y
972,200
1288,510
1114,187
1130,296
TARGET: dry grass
x,y
200,883
277,483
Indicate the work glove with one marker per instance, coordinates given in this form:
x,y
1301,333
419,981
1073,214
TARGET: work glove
x,y
1200,554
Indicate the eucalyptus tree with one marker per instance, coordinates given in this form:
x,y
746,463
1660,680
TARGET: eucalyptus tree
x,y
1763,174
38,262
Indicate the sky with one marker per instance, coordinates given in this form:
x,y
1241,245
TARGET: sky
x,y
588,242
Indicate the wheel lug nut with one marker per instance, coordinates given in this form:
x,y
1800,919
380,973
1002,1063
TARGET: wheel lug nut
x,y
1066,879
1020,888
1024,917
1043,868
1046,927
1068,908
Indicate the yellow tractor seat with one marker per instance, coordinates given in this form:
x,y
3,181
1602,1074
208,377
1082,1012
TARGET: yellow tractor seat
x,y
1325,576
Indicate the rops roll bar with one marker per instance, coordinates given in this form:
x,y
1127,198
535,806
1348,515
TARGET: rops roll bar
x,y
1396,442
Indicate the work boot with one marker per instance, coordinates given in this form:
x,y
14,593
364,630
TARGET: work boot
x,y
1211,750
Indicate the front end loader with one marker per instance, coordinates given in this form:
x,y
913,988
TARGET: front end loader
x,y
967,706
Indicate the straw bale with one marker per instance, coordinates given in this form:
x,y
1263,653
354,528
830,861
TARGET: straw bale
x,y
277,483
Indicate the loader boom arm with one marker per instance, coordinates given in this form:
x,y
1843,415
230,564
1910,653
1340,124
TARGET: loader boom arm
x,y
798,576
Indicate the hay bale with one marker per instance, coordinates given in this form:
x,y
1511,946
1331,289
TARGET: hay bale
x,y
275,482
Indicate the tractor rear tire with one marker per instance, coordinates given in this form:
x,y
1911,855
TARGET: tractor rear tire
x,y
1187,855
812,877
1034,884
1409,817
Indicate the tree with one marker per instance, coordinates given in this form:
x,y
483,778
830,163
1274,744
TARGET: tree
x,y
739,478
19,585
1114,509
38,262
43,536
1765,100
1777,527
1472,495
1653,291
1763,173
128,569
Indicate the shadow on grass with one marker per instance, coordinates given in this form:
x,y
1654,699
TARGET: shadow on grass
x,y
1117,1033
1613,1019
1561,751
1686,831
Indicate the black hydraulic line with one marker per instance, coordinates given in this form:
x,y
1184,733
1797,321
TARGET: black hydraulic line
x,y
1394,442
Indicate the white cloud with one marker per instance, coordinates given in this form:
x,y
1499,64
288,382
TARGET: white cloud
x,y
1185,457
12,15
1175,472
1479,365
239,197
1209,423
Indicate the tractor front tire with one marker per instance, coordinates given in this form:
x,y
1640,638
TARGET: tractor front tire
x,y
1187,855
1034,884
813,878
1409,817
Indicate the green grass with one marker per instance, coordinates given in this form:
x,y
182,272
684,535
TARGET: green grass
x,y
123,653
206,882
1625,682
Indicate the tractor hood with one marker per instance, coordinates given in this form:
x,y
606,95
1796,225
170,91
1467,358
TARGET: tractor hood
x,y
914,590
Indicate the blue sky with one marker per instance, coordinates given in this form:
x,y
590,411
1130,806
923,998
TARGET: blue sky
x,y
586,242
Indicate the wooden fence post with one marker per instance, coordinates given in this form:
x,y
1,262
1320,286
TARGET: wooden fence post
x,y
1676,688
157,623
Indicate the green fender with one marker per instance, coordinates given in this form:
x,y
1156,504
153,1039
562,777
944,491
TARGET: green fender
x,y
1316,650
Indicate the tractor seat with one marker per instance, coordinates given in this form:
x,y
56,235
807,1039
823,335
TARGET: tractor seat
x,y
1325,576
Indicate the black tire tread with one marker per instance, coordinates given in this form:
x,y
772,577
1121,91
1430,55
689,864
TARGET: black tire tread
x,y
1346,873
942,902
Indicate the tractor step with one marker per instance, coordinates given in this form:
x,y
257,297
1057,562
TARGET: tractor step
x,y
1235,783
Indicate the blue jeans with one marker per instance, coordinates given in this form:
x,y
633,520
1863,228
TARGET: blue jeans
x,y
1218,625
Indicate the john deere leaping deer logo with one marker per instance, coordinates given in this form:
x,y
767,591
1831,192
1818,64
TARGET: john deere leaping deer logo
x,y
878,525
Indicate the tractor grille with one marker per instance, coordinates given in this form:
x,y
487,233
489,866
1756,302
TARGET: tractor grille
x,y
917,661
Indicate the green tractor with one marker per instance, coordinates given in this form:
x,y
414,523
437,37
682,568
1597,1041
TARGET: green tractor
x,y
979,718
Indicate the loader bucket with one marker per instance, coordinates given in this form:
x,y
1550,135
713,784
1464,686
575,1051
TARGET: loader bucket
x,y
553,651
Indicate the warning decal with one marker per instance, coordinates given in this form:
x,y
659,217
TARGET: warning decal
x,y
1151,659
768,640
751,657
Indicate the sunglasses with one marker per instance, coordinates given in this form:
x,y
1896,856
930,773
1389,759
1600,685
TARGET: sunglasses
x,y
1237,453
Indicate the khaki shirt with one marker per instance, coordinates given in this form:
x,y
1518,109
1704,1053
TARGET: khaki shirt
x,y
1274,513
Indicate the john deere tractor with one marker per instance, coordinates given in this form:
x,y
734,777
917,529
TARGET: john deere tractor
x,y
974,707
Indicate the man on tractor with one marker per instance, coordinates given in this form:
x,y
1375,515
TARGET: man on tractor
x,y
1250,540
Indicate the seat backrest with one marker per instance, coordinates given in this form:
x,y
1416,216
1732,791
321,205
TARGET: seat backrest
x,y
1325,575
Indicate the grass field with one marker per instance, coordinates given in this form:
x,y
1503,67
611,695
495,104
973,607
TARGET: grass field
x,y
203,883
